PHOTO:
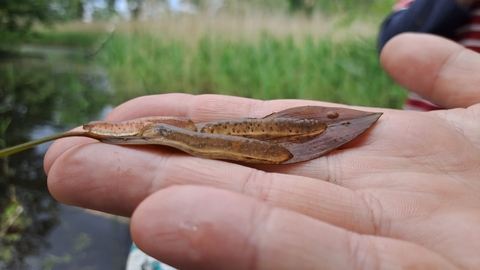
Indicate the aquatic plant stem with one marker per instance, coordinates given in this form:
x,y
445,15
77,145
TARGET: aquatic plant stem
x,y
18,148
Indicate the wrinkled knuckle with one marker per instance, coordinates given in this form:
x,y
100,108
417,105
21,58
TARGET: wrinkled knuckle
x,y
335,170
377,213
331,169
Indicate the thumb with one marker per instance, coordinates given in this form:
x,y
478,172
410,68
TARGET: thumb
x,y
437,69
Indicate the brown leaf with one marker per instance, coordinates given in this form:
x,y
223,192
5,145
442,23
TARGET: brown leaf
x,y
343,125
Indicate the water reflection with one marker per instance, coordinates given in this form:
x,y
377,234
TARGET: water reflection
x,y
40,97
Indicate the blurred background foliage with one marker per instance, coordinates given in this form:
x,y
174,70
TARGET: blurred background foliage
x,y
266,49
63,63
18,17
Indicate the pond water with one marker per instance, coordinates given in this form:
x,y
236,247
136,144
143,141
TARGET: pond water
x,y
40,96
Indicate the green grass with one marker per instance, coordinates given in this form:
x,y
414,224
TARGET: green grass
x,y
76,39
264,56
356,7
52,37
327,7
271,68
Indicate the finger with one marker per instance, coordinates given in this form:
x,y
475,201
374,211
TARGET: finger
x,y
439,70
145,171
201,108
60,146
203,228
375,201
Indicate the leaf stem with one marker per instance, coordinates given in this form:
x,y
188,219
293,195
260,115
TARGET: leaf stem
x,y
18,148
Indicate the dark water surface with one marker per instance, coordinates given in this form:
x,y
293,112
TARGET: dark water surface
x,y
40,96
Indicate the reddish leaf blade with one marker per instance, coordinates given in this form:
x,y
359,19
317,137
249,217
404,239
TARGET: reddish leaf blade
x,y
343,125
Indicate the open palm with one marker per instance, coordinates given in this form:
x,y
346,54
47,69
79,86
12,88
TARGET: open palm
x,y
404,194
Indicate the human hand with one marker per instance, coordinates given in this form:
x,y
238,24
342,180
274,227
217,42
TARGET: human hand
x,y
403,194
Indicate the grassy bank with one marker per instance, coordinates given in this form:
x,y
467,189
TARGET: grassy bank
x,y
282,57
346,72
256,54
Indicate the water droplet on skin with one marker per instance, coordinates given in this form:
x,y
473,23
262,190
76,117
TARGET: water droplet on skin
x,y
188,225
195,233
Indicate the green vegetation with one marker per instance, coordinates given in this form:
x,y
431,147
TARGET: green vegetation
x,y
358,7
326,7
17,17
332,60
270,68
71,39
304,62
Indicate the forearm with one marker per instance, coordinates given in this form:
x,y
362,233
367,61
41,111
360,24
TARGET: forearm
x,y
440,17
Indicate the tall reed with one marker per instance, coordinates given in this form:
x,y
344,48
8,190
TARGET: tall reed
x,y
271,67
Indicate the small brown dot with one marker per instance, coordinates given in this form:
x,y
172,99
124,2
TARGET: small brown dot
x,y
332,115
